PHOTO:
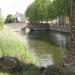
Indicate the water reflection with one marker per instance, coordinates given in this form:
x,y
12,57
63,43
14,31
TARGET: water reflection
x,y
48,47
61,40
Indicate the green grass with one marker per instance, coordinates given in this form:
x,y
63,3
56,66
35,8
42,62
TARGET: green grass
x,y
1,73
12,45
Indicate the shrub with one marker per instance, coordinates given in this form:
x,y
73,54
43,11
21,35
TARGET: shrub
x,y
54,70
9,19
31,69
1,73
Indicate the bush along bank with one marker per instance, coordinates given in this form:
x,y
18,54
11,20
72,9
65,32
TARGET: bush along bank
x,y
20,68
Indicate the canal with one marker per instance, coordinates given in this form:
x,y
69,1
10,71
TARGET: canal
x,y
48,47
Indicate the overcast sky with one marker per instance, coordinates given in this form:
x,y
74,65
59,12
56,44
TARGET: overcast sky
x,y
13,6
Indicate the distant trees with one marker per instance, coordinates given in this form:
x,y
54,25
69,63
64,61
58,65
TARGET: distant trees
x,y
9,19
46,10
1,23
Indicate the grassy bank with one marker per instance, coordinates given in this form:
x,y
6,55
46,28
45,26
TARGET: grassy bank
x,y
12,45
1,73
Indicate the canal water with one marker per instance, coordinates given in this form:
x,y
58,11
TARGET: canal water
x,y
48,47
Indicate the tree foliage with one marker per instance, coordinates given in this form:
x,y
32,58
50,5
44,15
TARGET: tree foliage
x,y
37,11
1,23
31,12
45,10
61,7
9,19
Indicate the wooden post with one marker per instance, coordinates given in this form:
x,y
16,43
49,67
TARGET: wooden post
x,y
72,23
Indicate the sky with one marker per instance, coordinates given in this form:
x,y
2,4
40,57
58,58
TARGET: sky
x,y
13,6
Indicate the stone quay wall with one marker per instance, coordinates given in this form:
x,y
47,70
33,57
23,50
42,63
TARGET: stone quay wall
x,y
45,26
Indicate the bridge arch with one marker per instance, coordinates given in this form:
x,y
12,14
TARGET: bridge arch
x,y
27,29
